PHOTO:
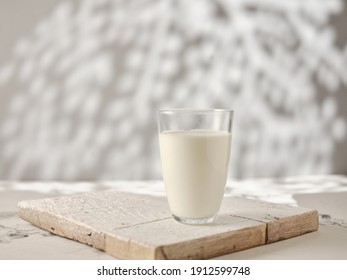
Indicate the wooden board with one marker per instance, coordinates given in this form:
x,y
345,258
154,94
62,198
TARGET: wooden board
x,y
131,226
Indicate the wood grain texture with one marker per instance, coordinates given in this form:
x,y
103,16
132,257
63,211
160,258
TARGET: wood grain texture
x,y
283,221
132,226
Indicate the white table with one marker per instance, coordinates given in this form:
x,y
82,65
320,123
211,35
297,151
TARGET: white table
x,y
327,194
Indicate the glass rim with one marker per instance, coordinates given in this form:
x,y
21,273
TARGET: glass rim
x,y
195,110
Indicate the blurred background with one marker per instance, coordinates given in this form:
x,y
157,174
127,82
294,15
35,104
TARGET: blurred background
x,y
81,82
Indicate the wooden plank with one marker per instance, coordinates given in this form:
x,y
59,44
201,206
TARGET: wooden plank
x,y
87,217
177,241
131,226
283,221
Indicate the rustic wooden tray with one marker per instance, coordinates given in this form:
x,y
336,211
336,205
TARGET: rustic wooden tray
x,y
132,226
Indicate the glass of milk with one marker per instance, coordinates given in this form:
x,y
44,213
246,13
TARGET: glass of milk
x,y
195,151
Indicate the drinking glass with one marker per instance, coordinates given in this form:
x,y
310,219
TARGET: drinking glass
x,y
195,151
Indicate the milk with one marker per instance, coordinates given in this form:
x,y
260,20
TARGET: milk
x,y
195,168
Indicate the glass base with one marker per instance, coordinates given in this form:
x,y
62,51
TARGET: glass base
x,y
193,221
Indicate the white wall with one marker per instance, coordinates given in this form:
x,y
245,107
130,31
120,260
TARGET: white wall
x,y
81,82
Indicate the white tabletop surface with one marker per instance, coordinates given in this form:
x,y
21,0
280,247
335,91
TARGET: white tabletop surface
x,y
328,194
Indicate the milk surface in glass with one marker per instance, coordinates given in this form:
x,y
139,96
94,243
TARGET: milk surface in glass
x,y
195,168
